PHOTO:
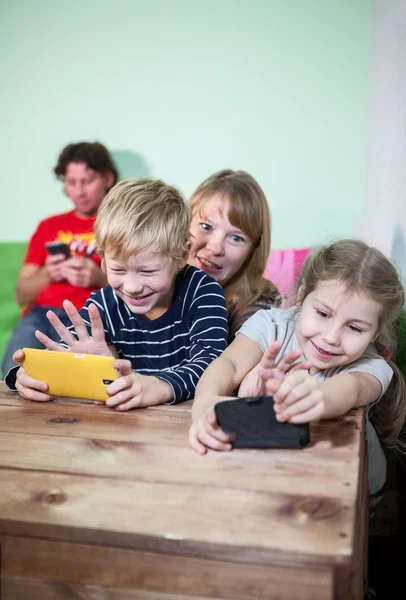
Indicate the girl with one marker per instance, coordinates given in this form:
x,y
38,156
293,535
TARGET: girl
x,y
348,303
231,238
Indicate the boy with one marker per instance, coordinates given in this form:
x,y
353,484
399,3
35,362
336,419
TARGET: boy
x,y
88,172
158,316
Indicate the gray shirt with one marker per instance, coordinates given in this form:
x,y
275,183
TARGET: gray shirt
x,y
276,324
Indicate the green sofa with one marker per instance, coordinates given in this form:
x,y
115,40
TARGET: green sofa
x,y
11,258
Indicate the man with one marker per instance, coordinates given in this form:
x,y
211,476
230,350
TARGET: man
x,y
88,172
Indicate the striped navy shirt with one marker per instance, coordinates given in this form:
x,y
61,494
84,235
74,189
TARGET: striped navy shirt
x,y
179,345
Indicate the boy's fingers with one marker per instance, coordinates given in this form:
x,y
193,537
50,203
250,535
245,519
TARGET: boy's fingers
x,y
97,324
76,320
18,356
48,343
60,328
123,366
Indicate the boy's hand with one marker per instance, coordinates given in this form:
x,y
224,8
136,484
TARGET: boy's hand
x,y
205,432
299,399
27,387
132,390
85,344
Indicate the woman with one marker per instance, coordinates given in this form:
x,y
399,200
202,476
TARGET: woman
x,y
231,239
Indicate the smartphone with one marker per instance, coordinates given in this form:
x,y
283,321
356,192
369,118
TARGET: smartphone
x,y
71,375
58,248
253,422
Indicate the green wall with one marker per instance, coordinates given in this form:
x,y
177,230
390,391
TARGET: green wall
x,y
183,88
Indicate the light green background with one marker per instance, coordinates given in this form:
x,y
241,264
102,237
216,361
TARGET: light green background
x,y
179,89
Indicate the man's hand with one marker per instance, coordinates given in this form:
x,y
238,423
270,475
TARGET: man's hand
x,y
53,267
83,272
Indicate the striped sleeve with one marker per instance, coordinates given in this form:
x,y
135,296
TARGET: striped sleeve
x,y
205,310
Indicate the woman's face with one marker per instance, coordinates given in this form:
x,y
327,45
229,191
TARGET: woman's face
x,y
218,248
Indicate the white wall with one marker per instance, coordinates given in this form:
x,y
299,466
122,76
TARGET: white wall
x,y
183,88
384,222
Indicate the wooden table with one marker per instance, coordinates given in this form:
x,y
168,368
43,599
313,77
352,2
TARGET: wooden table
x,y
95,504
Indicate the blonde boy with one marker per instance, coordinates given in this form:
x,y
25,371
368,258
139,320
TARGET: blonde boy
x,y
163,320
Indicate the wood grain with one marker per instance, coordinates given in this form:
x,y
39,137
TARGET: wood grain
x,y
150,572
101,504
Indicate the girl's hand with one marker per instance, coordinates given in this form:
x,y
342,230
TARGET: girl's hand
x,y
27,387
85,344
273,373
205,432
299,399
132,390
252,384
267,376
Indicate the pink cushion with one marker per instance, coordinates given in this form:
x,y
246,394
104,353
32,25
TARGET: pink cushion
x,y
283,268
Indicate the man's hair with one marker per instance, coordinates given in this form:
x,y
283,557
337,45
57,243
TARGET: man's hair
x,y
94,155
141,214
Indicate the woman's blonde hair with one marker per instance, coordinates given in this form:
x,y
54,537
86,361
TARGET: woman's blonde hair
x,y
247,209
362,268
141,214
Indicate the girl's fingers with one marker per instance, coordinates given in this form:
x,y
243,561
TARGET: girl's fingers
x,y
270,354
48,343
312,415
306,388
211,441
304,365
311,402
76,320
194,442
288,384
287,362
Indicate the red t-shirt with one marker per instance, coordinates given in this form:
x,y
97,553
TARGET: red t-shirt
x,y
78,234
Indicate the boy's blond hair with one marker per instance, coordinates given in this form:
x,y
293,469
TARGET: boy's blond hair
x,y
143,214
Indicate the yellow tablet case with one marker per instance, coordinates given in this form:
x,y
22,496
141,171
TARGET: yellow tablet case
x,y
69,374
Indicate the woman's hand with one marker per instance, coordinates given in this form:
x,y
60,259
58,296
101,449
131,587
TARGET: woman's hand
x,y
84,343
